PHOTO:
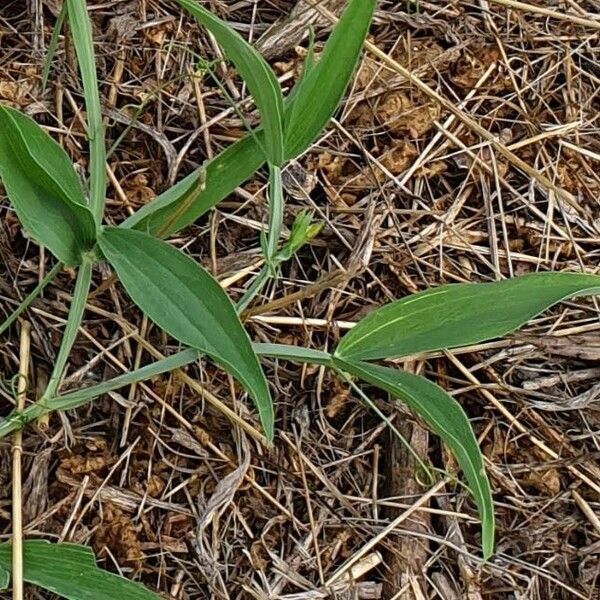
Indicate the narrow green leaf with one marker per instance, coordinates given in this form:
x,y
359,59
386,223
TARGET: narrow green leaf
x,y
223,174
307,66
53,44
276,209
318,93
237,163
447,419
303,230
255,71
43,188
4,579
81,28
183,299
459,314
79,398
70,571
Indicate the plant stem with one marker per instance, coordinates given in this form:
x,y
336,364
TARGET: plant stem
x,y
275,215
71,400
293,353
80,294
271,246
17,483
254,289
31,297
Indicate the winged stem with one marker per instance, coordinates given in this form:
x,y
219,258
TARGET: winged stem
x,y
76,310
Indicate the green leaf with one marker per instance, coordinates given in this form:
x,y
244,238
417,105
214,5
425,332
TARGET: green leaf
x,y
81,29
237,163
459,314
4,578
183,299
53,45
72,400
70,571
303,230
448,420
191,198
43,188
309,63
270,241
318,94
255,71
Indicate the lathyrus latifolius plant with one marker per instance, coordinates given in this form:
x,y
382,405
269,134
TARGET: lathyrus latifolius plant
x,y
188,303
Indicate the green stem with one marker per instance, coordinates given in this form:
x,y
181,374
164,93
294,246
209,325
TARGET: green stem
x,y
271,244
76,399
80,294
72,400
293,353
31,297
275,215
254,289
16,420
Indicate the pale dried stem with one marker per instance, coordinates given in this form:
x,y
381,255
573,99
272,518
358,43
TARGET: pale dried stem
x,y
17,476
554,14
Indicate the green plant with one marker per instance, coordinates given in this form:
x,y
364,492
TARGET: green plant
x,y
184,300
70,571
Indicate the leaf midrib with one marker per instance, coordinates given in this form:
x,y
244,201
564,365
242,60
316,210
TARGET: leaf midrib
x,y
345,349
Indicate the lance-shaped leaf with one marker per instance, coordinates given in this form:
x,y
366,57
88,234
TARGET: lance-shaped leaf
x,y
81,30
447,419
197,193
459,314
188,200
320,90
255,71
70,571
307,66
43,188
183,299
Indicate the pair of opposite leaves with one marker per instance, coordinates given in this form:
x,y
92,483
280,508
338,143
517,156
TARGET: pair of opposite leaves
x,y
50,203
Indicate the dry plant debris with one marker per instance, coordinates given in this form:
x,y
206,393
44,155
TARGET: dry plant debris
x,y
413,193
